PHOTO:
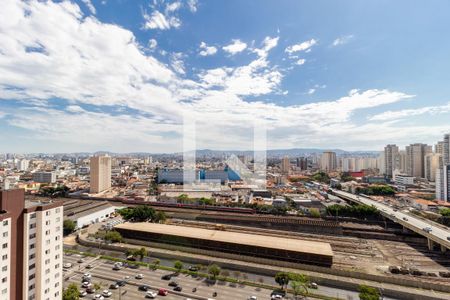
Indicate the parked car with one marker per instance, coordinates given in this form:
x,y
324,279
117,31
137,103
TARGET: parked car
x,y
67,265
139,276
173,283
166,277
86,284
121,282
82,294
193,268
151,295
106,293
252,298
163,292
143,288
98,297
89,266
90,290
113,286
178,288
313,285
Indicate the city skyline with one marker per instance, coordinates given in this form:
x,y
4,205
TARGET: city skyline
x,y
121,76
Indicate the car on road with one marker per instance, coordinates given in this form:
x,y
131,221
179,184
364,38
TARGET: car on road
x,y
151,295
163,292
313,285
80,261
178,288
139,276
252,298
166,277
82,294
126,277
106,293
98,297
113,286
87,275
86,284
90,290
143,288
405,219
193,268
427,229
67,265
173,283
121,282
89,266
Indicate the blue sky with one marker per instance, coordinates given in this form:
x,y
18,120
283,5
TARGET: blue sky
x,y
124,75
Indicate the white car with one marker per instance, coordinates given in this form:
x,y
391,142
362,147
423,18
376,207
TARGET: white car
x,y
106,293
67,265
98,297
87,275
139,276
253,298
151,295
86,284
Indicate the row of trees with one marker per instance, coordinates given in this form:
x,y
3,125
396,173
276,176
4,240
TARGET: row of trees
x,y
142,213
299,282
360,211
376,190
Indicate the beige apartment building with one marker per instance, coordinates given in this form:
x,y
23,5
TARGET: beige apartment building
x,y
31,248
100,174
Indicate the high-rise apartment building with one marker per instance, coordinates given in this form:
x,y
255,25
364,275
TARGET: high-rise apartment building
x,y
390,159
100,174
32,248
44,177
446,149
285,165
328,161
432,163
443,172
302,163
23,164
415,158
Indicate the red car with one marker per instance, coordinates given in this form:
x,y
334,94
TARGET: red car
x,y
163,292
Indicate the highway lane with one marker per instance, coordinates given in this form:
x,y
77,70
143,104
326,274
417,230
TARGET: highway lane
x,y
437,233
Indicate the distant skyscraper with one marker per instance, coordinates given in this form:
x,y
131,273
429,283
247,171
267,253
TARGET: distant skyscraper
x,y
446,149
44,177
432,163
328,161
390,159
443,172
100,173
285,165
22,165
32,247
302,163
415,157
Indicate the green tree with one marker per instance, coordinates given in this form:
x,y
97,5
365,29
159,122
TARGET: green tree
x,y
113,236
368,293
139,213
160,217
314,212
299,284
142,252
445,212
214,270
183,197
282,278
178,265
156,263
68,226
71,292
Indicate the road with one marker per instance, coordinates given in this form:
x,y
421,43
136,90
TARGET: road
x,y
104,275
438,233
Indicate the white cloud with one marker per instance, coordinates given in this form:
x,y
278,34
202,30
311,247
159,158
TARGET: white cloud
x,y
81,60
171,7
407,113
206,50
90,6
342,40
152,44
300,62
235,47
177,62
192,4
311,91
158,20
304,46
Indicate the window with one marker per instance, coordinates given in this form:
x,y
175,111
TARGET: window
x,y
5,245
32,225
32,256
5,268
31,276
57,256
5,223
47,251
47,232
47,261
32,236
46,291
57,238
56,275
58,219
47,242
56,266
57,247
47,222
47,281
31,267
32,246
4,291
5,257
31,287
47,213
5,234
57,284
4,279
58,210
58,228
33,216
